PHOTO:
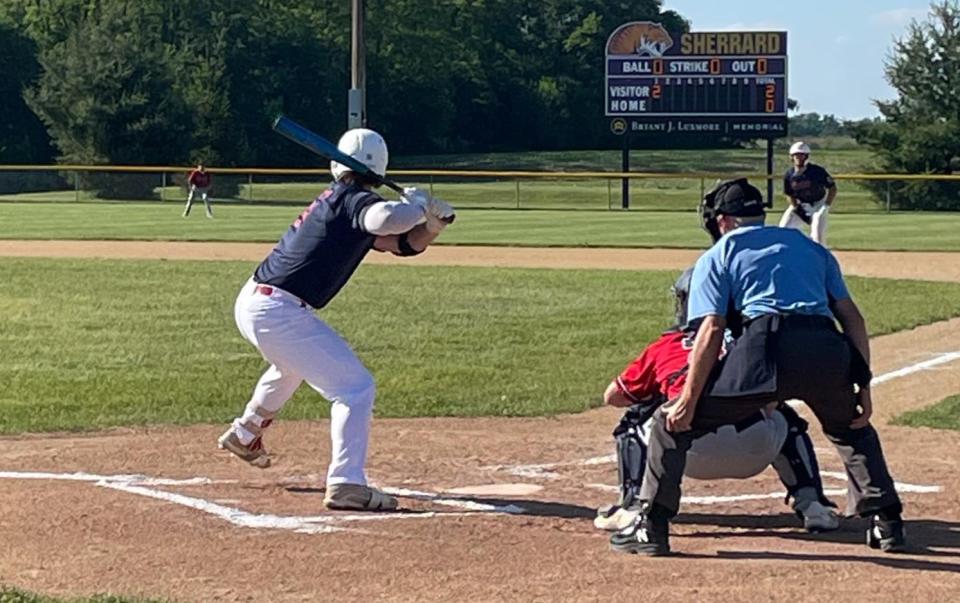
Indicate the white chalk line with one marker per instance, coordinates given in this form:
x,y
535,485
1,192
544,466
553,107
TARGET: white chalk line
x,y
322,524
543,470
462,503
233,515
140,480
317,524
915,368
720,499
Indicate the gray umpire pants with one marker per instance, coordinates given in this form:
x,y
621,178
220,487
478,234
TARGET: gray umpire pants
x,y
810,361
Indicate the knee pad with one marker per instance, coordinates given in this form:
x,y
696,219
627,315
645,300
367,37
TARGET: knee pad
x,y
631,454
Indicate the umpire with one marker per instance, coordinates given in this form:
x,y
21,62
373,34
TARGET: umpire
x,y
788,290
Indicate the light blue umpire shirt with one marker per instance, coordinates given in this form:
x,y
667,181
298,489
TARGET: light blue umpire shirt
x,y
766,270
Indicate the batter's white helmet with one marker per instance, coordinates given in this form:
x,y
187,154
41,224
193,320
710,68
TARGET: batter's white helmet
x,y
799,148
367,147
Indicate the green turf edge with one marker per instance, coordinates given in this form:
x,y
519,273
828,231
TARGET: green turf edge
x,y
16,595
945,414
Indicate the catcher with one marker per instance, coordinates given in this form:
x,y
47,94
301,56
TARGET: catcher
x,y
774,436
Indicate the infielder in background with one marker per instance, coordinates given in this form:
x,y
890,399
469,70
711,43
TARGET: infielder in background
x,y
199,182
774,436
810,191
308,267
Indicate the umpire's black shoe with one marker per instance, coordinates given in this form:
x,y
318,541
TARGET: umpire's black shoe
x,y
888,536
644,537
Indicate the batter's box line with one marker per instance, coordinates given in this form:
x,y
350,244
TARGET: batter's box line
x,y
140,485
902,487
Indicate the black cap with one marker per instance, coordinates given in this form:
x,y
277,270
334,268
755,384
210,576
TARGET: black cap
x,y
739,198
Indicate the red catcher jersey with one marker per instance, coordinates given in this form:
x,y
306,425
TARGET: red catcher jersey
x,y
647,375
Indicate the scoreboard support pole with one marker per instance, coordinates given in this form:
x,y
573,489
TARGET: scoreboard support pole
x,y
769,172
624,168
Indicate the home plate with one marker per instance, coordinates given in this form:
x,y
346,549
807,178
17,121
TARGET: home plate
x,y
497,490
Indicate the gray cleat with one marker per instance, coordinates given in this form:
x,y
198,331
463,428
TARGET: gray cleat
x,y
358,497
252,453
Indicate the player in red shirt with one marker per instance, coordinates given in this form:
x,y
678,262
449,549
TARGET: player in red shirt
x,y
199,182
775,436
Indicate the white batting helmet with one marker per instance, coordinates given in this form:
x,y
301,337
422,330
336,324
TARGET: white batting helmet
x,y
367,147
799,148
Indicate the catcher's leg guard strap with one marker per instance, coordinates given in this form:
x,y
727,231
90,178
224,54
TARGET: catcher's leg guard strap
x,y
797,463
631,455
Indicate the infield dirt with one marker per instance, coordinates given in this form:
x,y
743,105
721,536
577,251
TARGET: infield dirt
x,y
72,534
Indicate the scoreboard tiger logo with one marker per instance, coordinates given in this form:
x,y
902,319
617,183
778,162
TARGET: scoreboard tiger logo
x,y
640,38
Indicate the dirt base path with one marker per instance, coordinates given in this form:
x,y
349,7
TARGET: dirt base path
x,y
933,266
159,512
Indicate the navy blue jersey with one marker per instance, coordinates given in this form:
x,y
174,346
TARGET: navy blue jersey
x,y
323,247
810,185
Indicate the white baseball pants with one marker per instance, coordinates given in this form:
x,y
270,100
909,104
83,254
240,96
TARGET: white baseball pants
x,y
731,454
818,220
301,347
203,195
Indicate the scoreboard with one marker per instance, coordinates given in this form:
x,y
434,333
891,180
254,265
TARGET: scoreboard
x,y
727,83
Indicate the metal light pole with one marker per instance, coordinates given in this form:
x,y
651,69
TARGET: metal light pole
x,y
357,95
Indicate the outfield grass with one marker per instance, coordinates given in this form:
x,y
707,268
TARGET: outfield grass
x,y
658,194
922,231
942,415
95,343
525,193
753,160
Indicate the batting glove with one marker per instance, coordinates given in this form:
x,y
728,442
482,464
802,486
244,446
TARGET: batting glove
x,y
416,196
439,215
440,209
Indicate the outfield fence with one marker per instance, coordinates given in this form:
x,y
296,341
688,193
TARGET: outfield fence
x,y
491,189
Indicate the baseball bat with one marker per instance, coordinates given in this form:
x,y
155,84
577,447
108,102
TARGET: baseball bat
x,y
312,141
291,130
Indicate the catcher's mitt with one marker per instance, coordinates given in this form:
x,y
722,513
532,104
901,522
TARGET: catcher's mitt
x,y
803,211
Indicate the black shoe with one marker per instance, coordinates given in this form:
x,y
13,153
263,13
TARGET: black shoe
x,y
644,537
888,536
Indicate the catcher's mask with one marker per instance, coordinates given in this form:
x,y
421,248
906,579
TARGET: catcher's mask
x,y
730,198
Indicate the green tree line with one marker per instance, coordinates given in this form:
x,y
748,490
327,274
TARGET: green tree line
x,y
172,81
176,81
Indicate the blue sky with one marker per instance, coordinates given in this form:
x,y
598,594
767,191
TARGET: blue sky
x,y
836,48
